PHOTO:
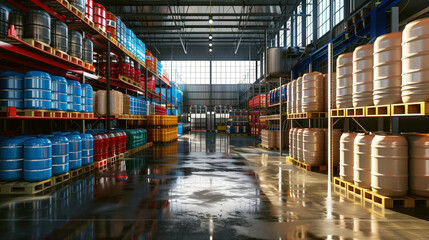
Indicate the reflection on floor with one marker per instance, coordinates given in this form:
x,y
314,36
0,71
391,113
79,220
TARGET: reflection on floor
x,y
205,186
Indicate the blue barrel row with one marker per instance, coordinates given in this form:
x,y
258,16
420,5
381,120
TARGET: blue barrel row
x,y
129,40
274,95
40,90
39,157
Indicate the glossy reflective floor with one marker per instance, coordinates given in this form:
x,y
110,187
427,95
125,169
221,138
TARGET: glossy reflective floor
x,y
205,186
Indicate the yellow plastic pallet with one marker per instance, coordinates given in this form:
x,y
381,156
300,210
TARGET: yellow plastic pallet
x,y
42,46
355,112
307,167
267,148
336,113
410,109
378,111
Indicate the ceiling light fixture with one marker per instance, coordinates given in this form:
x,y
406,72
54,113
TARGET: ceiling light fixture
x,y
210,44
210,20
210,50
210,36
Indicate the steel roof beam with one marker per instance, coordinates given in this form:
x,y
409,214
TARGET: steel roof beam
x,y
132,3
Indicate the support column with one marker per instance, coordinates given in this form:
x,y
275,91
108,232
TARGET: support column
x,y
211,96
330,122
108,86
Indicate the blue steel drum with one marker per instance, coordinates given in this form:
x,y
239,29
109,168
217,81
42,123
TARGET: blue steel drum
x,y
75,151
12,89
59,93
87,149
60,154
129,39
74,96
37,90
87,98
37,159
12,158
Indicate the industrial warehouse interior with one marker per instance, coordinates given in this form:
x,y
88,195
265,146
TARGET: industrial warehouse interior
x,y
214,119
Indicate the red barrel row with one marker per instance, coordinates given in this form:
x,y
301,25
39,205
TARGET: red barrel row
x,y
109,144
89,12
99,16
124,67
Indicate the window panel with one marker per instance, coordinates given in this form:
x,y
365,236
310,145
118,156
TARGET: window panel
x,y
323,17
309,27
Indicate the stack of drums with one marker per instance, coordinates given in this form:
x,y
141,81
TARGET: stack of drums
x,y
418,162
101,109
87,149
313,146
346,156
60,154
98,142
289,98
298,100
38,26
389,165
75,44
362,160
100,16
74,96
37,90
88,51
11,89
129,39
132,70
87,98
291,143
105,149
137,73
119,143
363,75
414,61
345,80
387,69
111,24
60,35
112,144
124,66
293,97
75,151
313,92
11,159
79,4
37,159
59,93
124,142
119,30
17,19
299,144
4,21
89,12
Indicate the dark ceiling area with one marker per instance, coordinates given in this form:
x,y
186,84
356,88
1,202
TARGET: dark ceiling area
x,y
180,29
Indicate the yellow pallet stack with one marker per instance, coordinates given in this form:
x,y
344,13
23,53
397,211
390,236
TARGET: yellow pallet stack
x,y
164,127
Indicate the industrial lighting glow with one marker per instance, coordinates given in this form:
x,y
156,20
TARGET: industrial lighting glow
x,y
210,37
210,20
210,50
210,44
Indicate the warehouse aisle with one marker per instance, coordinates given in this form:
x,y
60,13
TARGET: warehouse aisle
x,y
205,186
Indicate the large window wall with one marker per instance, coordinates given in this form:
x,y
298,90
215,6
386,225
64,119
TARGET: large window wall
x,y
224,72
309,23
323,17
299,26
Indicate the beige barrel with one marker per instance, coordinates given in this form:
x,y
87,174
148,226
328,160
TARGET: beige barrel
x,y
336,136
313,92
293,95
344,80
387,69
291,142
389,165
346,156
298,100
362,160
295,144
299,144
313,146
363,75
101,102
419,164
334,91
415,61
289,98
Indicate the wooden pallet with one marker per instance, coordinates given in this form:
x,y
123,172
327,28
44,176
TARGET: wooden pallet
x,y
267,148
88,66
24,187
100,164
356,112
77,12
61,54
61,114
35,113
82,170
76,60
367,195
378,111
410,109
42,46
308,167
336,113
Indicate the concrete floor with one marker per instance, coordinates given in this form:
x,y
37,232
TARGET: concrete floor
x,y
204,186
